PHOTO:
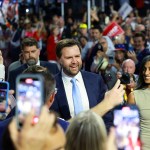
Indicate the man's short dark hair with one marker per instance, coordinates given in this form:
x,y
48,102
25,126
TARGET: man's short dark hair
x,y
66,43
28,42
97,27
139,34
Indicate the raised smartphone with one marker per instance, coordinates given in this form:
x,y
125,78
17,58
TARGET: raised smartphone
x,y
4,89
29,95
126,121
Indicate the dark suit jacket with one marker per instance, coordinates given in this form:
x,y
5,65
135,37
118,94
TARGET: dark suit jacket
x,y
14,73
95,88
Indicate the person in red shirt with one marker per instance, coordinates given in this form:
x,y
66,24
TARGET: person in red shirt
x,y
51,44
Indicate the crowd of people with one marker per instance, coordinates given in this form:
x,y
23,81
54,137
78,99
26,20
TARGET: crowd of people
x,y
87,75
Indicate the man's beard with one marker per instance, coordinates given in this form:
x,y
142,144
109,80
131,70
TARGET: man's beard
x,y
31,62
70,73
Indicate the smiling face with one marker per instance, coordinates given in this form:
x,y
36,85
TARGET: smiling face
x,y
119,55
139,43
146,73
96,34
70,60
129,67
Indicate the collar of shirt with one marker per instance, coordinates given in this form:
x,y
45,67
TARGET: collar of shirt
x,y
68,89
38,63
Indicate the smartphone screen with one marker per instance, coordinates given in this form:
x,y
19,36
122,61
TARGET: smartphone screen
x,y
29,94
4,89
126,123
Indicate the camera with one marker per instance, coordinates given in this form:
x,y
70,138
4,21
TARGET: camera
x,y
99,47
125,79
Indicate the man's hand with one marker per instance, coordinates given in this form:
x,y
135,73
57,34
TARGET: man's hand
x,y
32,136
119,75
114,97
132,55
100,54
132,85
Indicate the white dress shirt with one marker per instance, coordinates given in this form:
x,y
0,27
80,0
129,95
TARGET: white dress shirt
x,y
38,63
68,89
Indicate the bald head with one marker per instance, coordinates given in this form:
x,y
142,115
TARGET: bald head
x,y
128,66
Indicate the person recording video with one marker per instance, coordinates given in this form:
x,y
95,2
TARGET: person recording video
x,y
49,86
127,76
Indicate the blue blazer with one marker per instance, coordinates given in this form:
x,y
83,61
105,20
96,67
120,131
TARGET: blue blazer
x,y
14,73
95,88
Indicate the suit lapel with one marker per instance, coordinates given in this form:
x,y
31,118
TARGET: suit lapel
x,y
62,98
90,89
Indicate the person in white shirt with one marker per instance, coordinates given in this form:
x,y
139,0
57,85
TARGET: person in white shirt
x,y
78,89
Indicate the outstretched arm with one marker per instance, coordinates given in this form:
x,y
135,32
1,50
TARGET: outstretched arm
x,y
112,98
131,99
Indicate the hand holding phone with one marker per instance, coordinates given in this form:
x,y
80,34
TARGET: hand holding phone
x,y
29,95
127,128
38,137
4,89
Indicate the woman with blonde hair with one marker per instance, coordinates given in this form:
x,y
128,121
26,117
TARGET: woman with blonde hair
x,y
86,132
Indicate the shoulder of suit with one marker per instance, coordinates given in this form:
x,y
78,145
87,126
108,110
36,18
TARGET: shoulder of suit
x,y
89,73
15,65
63,120
19,69
58,75
90,76
5,122
47,63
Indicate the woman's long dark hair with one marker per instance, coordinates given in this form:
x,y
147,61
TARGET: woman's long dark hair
x,y
141,83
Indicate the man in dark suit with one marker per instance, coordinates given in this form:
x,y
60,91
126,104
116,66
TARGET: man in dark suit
x,y
31,52
92,88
